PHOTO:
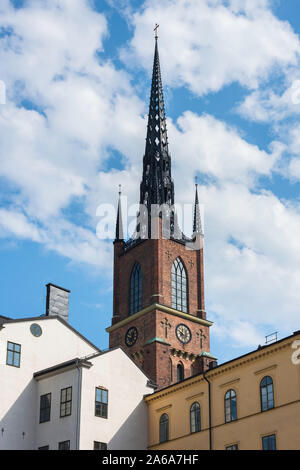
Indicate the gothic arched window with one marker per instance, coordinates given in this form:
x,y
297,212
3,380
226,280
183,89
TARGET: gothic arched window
x,y
136,281
195,417
180,372
267,393
179,286
164,428
230,406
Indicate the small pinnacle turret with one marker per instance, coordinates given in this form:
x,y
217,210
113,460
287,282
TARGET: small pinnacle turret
x,y
119,224
197,226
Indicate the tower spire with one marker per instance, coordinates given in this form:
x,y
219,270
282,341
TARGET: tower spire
x,y
197,226
157,186
119,224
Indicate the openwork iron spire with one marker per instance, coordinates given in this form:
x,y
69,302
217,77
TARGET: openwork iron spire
x,y
157,186
197,226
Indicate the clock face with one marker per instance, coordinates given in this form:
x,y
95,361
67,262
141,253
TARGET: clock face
x,y
183,333
131,336
36,330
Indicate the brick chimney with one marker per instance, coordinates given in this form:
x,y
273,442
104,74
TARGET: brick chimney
x,y
57,303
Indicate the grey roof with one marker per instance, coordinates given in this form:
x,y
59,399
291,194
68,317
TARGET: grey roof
x,y
62,365
2,317
85,362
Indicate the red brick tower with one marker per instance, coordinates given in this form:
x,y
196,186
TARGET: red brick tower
x,y
159,311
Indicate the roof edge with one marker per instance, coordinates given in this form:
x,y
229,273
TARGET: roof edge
x,y
52,317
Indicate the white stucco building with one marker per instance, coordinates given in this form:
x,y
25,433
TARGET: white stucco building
x,y
59,391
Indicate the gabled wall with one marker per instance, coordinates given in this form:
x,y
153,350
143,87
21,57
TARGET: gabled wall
x,y
126,426
18,394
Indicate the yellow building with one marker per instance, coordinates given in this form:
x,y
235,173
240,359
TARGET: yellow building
x,y
251,402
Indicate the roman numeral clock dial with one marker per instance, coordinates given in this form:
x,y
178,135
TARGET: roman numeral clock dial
x,y
183,333
131,336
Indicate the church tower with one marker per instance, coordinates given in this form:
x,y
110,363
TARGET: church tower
x,y
159,313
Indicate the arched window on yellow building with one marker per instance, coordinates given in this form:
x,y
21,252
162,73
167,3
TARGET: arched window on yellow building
x,y
195,417
164,428
267,393
230,406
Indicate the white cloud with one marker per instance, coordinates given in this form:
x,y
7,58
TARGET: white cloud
x,y
81,106
71,241
292,138
253,256
266,105
33,159
240,334
217,150
206,45
17,224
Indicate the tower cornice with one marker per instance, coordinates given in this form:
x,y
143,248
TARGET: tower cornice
x,y
162,308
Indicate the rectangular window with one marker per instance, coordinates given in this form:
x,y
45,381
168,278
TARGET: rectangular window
x,y
44,448
45,408
233,447
101,402
269,442
66,402
100,445
64,445
13,357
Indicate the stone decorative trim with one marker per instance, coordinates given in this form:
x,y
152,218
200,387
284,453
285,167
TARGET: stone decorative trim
x,y
231,382
164,408
183,354
193,397
157,340
266,369
162,308
138,355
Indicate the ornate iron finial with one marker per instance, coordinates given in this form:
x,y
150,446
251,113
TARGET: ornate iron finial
x,y
156,30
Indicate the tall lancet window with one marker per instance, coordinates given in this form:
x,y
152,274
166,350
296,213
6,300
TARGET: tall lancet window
x,y
136,282
179,286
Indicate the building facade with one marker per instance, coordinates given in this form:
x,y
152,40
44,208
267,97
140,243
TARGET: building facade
x,y
249,403
159,313
59,391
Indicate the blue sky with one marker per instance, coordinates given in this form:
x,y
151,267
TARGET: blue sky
x,y
73,128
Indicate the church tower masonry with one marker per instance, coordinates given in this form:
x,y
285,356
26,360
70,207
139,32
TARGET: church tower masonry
x,y
159,313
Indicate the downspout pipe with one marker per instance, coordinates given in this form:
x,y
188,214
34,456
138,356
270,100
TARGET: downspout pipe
x,y
209,408
78,403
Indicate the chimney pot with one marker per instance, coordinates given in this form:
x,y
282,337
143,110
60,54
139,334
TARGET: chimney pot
x,y
57,303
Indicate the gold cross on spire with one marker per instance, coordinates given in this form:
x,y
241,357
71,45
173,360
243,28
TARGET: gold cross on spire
x,y
156,30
